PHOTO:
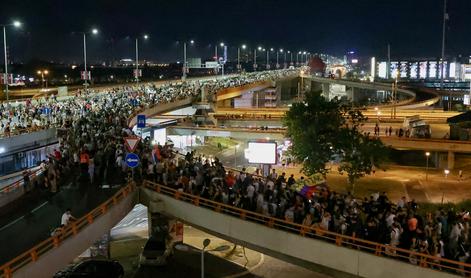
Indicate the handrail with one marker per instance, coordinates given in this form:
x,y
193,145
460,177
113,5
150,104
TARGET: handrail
x,y
20,182
423,260
33,254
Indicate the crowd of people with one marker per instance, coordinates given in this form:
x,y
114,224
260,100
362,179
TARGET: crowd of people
x,y
96,123
441,234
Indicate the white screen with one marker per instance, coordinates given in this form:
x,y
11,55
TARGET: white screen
x,y
413,70
263,153
452,70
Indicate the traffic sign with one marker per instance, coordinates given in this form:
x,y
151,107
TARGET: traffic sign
x,y
131,142
132,160
141,121
85,75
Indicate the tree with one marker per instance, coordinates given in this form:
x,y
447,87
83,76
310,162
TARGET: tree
x,y
312,126
321,130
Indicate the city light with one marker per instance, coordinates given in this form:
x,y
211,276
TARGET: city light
x,y
192,41
281,50
259,48
221,44
244,46
94,31
17,23
271,49
146,37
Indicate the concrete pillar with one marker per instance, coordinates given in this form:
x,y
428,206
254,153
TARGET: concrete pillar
x,y
326,90
451,160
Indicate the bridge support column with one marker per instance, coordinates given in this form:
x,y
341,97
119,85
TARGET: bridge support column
x,y
326,91
451,160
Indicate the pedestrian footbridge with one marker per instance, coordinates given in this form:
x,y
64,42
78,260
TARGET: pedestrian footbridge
x,y
322,251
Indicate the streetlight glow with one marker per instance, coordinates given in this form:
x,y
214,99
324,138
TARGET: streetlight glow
x,y
94,31
146,37
281,50
259,48
192,42
221,44
271,49
16,23
244,46
427,154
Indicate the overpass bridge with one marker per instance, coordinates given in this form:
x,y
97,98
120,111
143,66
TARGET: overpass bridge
x,y
323,251
450,147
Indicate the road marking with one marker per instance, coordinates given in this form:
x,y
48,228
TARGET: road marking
x,y
249,270
20,218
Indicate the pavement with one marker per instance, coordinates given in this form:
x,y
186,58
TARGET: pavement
x,y
236,261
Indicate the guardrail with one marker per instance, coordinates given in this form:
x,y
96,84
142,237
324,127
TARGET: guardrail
x,y
32,255
18,184
378,249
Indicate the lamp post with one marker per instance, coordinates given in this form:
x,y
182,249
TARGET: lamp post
x,y
206,243
86,76
255,57
137,74
277,58
427,154
290,58
446,171
238,56
297,58
16,24
235,154
223,61
43,73
185,63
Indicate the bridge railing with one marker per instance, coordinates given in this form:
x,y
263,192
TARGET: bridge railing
x,y
19,183
378,249
32,255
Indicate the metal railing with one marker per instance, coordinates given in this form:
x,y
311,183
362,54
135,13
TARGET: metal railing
x,y
19,183
378,249
32,255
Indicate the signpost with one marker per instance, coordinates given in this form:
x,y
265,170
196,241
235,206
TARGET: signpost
x,y
141,121
132,160
131,143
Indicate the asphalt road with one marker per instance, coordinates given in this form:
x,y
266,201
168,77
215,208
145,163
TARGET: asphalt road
x,y
28,225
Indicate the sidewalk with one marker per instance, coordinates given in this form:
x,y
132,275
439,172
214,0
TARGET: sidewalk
x,y
231,263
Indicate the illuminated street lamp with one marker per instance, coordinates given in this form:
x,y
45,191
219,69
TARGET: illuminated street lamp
x,y
446,171
235,155
268,57
86,76
16,24
255,57
43,73
427,154
137,73
185,63
238,56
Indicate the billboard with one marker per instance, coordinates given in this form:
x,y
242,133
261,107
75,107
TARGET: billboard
x,y
382,70
466,71
423,70
403,69
261,152
452,70
432,70
414,70
394,69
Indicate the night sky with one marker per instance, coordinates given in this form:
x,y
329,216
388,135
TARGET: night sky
x,y
413,27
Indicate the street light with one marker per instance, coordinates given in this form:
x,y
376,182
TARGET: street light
x,y
427,154
15,24
86,76
235,155
255,57
238,56
43,73
185,63
206,243
137,74
446,171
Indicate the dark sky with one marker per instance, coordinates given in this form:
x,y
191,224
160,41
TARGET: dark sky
x,y
413,27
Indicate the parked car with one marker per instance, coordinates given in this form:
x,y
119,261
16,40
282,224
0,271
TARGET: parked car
x,y
155,252
93,268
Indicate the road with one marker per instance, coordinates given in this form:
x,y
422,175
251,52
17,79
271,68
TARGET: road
x,y
32,219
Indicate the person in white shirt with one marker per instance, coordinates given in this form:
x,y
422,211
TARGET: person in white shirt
x,y
67,217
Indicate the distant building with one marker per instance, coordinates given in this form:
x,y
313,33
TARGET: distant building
x,y
460,126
